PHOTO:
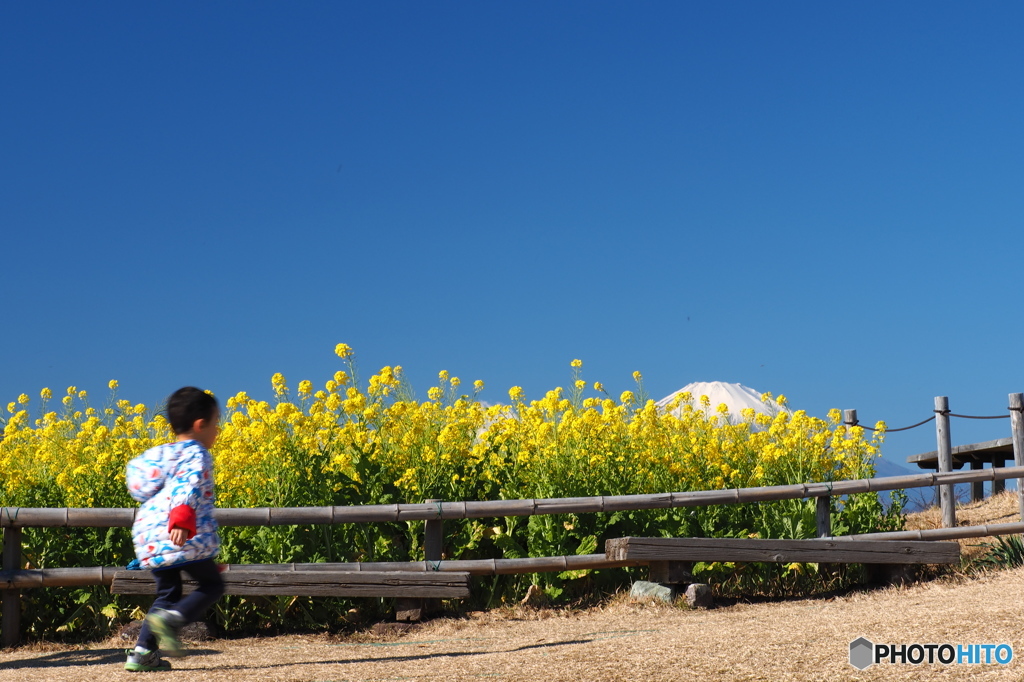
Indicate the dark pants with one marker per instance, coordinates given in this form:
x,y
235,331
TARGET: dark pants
x,y
192,607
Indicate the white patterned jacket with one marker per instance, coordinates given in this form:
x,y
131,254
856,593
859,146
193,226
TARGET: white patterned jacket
x,y
174,484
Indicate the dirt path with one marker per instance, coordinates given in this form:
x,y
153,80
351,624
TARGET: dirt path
x,y
800,640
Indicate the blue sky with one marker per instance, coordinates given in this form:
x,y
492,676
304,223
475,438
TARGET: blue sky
x,y
815,199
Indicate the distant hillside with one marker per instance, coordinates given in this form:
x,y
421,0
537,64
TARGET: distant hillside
x,y
917,498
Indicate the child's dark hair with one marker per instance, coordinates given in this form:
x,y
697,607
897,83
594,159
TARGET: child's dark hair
x,y
188,404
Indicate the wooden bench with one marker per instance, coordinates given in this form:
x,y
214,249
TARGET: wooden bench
x,y
433,585
887,561
820,550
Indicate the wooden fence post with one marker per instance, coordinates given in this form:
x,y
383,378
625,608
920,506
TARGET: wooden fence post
x,y
10,622
850,417
823,510
978,487
412,609
947,501
433,535
1017,424
823,516
997,463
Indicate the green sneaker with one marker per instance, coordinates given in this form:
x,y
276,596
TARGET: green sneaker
x,y
148,662
165,625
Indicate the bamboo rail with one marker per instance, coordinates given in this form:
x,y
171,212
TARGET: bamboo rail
x,y
960,532
37,517
97,575
104,575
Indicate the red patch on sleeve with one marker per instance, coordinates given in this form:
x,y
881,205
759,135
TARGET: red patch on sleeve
x,y
183,516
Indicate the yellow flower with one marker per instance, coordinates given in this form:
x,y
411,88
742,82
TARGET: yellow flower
x,y
781,400
72,390
46,394
343,350
576,363
637,376
112,384
455,382
442,375
557,445
23,399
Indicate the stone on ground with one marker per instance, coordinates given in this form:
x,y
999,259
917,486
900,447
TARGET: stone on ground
x,y
643,590
698,596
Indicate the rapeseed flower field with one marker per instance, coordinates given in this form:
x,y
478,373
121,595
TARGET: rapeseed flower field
x,y
344,442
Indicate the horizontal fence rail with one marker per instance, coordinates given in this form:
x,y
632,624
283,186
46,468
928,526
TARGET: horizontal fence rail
x,y
37,517
104,575
957,533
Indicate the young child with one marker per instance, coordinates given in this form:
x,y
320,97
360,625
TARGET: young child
x,y
174,529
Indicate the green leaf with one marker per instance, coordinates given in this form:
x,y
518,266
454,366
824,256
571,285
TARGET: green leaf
x,y
587,545
509,547
573,575
553,592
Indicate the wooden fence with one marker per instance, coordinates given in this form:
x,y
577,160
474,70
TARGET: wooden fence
x,y
12,519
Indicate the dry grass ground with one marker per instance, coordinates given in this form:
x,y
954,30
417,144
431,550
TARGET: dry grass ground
x,y
1001,508
791,640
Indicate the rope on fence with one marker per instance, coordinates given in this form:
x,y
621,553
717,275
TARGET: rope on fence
x,y
951,414
904,428
969,416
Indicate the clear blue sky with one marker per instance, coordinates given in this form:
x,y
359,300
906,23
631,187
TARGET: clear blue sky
x,y
816,199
